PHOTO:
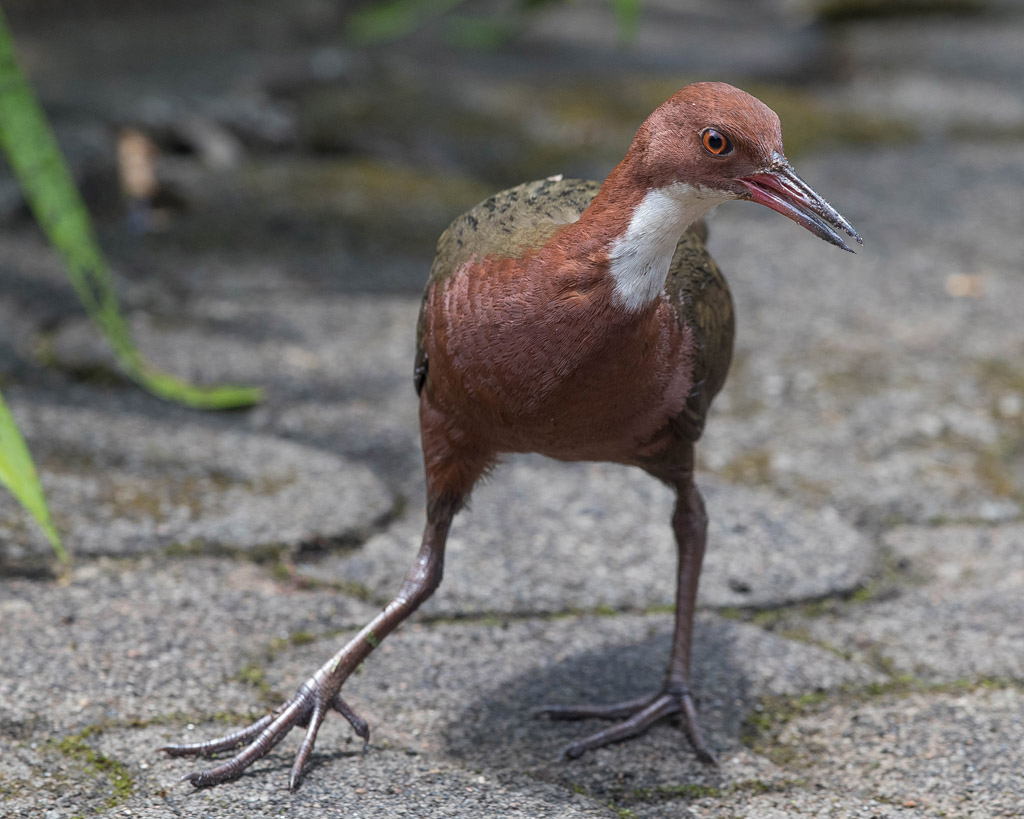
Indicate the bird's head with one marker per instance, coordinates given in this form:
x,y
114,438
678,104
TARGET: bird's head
x,y
724,143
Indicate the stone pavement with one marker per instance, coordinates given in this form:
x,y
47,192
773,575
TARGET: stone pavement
x,y
860,641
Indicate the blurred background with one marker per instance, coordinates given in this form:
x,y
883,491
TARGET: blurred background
x,y
337,139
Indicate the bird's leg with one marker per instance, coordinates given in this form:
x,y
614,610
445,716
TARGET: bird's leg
x,y
633,717
321,692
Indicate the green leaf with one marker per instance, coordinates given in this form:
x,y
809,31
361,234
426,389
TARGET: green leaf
x,y
51,193
18,474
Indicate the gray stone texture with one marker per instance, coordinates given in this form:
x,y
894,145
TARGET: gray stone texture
x,y
958,616
542,536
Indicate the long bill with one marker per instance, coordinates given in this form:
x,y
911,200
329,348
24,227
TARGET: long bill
x,y
782,190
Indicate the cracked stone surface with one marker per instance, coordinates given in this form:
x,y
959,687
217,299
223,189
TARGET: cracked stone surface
x,y
123,483
543,536
858,649
957,616
146,675
955,754
133,642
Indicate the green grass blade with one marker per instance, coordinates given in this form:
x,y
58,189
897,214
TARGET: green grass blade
x,y
51,193
171,388
18,474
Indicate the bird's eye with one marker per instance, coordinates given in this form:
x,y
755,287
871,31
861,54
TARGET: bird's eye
x,y
715,142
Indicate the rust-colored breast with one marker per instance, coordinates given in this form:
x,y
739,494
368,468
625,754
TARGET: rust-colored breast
x,y
521,355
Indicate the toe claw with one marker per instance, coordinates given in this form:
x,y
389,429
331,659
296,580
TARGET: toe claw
x,y
196,779
359,725
574,750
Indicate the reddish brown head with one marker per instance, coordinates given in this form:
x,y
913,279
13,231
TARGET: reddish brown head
x,y
717,138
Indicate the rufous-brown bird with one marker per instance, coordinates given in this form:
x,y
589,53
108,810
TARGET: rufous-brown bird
x,y
585,322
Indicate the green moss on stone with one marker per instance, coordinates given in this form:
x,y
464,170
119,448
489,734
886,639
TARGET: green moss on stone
x,y
993,472
752,467
253,675
95,763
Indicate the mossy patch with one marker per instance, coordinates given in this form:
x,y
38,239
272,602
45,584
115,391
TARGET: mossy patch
x,y
752,468
97,764
993,472
1000,466
253,675
380,202
1000,374
854,375
762,729
10,788
297,638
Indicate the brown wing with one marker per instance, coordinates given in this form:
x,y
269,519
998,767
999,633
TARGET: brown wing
x,y
503,226
703,303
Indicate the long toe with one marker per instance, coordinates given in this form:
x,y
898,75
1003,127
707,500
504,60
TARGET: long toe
x,y
307,707
613,711
633,717
228,742
661,706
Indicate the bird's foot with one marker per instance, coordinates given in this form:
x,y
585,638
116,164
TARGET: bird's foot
x,y
306,708
632,718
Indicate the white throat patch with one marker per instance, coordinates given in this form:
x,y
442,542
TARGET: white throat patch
x,y
640,258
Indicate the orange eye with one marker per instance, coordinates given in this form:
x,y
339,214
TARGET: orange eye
x,y
715,142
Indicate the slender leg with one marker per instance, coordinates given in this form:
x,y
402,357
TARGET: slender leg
x,y
321,692
689,522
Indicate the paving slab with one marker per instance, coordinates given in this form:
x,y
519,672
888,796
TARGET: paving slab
x,y
957,615
132,641
122,482
542,536
953,754
466,693
127,657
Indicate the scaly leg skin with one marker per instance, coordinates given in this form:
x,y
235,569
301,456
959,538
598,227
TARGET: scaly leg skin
x,y
321,692
634,717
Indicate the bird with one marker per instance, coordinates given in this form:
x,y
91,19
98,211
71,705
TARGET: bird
x,y
584,322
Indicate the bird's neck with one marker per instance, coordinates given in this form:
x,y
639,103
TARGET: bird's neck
x,y
636,229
